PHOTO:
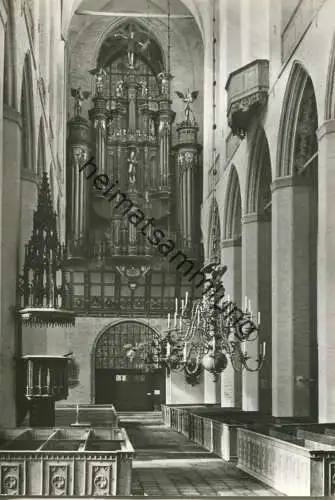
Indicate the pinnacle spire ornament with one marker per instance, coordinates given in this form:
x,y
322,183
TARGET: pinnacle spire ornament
x,y
42,289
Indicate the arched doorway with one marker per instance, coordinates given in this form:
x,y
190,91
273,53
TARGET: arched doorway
x,y
126,383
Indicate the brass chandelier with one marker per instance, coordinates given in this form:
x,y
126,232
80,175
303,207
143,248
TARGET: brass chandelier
x,y
206,335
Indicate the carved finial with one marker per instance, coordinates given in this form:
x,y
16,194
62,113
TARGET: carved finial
x,y
188,98
99,74
79,97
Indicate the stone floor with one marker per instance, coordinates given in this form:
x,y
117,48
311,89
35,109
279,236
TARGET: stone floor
x,y
167,464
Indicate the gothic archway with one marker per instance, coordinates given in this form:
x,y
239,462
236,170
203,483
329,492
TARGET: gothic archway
x,y
233,210
9,86
126,383
214,251
27,113
296,189
330,87
41,152
258,205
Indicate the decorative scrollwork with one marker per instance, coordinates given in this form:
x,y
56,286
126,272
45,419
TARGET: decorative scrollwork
x,y
10,482
101,482
58,482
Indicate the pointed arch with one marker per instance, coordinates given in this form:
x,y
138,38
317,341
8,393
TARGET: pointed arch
x,y
258,191
296,128
44,16
214,240
9,89
107,349
330,85
27,113
110,47
41,150
68,11
233,208
52,185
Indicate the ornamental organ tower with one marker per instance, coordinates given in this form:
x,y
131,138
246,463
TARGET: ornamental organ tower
x,y
129,133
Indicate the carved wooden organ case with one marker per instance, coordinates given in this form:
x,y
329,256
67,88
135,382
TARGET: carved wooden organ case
x,y
129,133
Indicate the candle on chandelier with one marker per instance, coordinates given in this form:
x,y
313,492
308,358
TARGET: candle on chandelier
x,y
182,307
249,306
263,349
175,319
258,318
186,299
180,323
246,304
168,349
176,309
184,353
169,321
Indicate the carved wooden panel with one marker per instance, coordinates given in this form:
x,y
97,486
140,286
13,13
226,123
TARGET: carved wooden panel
x,y
58,479
284,466
12,478
331,479
102,478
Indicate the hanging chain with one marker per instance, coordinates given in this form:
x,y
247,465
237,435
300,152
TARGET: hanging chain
x,y
169,47
214,92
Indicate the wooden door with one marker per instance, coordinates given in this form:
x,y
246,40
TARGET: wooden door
x,y
127,390
125,382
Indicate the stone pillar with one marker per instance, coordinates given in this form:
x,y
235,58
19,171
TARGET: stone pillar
x,y
231,381
210,393
250,381
10,345
9,143
255,30
326,272
168,388
290,298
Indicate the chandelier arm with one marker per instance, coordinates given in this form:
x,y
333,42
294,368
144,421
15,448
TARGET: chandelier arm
x,y
259,361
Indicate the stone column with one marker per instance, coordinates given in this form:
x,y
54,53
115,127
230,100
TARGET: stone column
x,y
10,227
250,381
168,388
254,20
231,381
210,393
290,298
326,271
9,216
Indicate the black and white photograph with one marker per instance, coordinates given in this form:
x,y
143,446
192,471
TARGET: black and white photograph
x,y
167,256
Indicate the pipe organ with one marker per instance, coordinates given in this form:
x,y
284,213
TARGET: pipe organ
x,y
129,134
77,188
187,154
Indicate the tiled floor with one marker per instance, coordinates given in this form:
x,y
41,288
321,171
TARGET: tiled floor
x,y
167,464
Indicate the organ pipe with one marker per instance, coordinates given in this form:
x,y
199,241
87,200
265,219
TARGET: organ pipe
x,y
78,145
187,153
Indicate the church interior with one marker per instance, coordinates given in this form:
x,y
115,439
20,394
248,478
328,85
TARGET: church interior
x,y
166,248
